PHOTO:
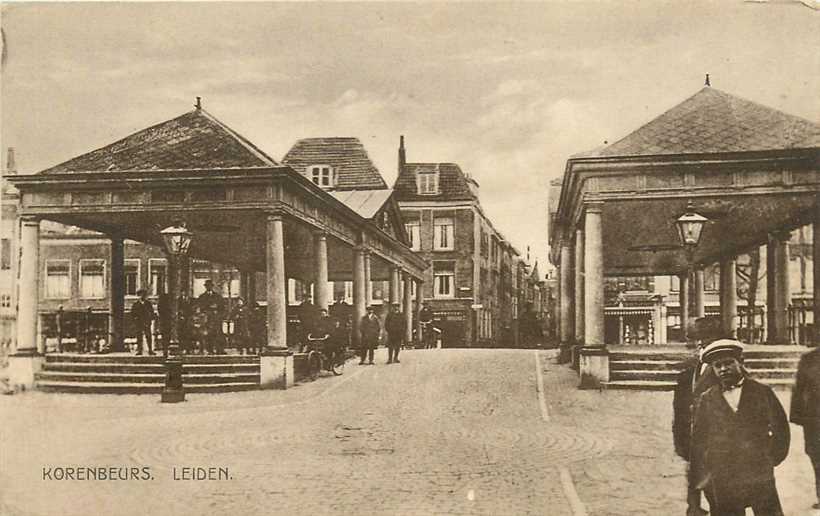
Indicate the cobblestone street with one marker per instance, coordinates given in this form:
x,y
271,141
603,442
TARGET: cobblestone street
x,y
444,432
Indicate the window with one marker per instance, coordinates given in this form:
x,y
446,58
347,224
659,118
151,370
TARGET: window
x,y
158,271
443,279
413,229
322,175
132,277
92,279
5,301
5,254
427,183
484,244
58,279
443,234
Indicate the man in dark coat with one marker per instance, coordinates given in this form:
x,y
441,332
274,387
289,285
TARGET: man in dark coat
x,y
740,435
142,311
426,320
695,378
213,306
369,329
395,327
805,410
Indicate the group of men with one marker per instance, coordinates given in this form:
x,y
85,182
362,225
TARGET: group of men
x,y
199,322
733,430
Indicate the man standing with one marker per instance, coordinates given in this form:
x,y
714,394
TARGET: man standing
x,y
805,410
740,435
695,378
426,320
369,330
213,306
394,325
142,311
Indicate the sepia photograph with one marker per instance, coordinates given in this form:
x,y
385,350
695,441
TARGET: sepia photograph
x,y
555,258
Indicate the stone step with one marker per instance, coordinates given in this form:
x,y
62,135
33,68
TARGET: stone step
x,y
148,359
93,367
624,365
673,356
659,385
137,388
142,378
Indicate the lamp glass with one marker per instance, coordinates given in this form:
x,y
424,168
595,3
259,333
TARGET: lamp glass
x,y
177,239
690,227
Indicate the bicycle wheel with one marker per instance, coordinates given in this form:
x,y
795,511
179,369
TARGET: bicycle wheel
x,y
314,361
337,363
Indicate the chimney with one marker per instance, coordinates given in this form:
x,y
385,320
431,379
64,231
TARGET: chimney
x,y
198,104
708,82
402,155
11,166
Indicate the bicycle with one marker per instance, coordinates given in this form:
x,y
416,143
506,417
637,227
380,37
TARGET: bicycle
x,y
318,358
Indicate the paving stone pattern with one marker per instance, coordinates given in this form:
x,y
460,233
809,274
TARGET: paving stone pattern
x,y
450,432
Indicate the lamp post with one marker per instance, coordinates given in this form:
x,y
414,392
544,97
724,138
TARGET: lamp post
x,y
690,228
177,240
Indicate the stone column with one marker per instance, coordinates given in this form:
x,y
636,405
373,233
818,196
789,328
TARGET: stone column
x,y
782,294
116,294
417,308
593,277
25,362
594,357
683,301
320,289
579,285
359,293
771,291
728,296
276,364
816,265
567,334
368,292
408,308
700,307
394,285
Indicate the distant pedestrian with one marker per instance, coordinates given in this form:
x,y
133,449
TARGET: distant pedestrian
x,y
369,331
241,317
739,436
142,312
426,321
394,324
805,410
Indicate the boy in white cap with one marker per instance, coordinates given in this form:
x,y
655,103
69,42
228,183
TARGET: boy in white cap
x,y
740,434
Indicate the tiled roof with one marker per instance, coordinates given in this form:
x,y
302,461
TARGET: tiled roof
x,y
195,140
452,182
366,203
346,155
713,121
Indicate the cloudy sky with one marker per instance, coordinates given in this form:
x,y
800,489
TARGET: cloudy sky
x,y
508,91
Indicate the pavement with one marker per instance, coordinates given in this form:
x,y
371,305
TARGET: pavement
x,y
449,432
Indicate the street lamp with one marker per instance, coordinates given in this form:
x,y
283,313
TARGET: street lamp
x,y
690,228
177,240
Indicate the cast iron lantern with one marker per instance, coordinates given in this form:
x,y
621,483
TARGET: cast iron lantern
x,y
690,227
177,240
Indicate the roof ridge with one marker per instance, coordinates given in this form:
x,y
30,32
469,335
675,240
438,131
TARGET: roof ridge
x,y
762,106
253,149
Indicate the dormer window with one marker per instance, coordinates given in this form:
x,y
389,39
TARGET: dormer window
x,y
427,183
322,175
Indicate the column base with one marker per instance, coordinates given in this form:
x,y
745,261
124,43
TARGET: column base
x,y
23,367
565,353
594,367
276,368
575,356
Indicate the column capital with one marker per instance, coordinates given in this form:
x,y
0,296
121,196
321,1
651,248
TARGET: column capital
x,y
320,234
30,220
274,216
593,206
780,236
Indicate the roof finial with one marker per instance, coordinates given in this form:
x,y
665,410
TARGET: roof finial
x,y
198,104
707,80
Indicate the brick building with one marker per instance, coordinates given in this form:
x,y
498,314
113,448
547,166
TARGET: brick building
x,y
473,285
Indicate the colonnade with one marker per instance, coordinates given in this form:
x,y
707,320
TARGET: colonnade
x,y
22,372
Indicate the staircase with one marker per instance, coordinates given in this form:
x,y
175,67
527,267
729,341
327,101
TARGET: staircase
x,y
644,369
129,374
